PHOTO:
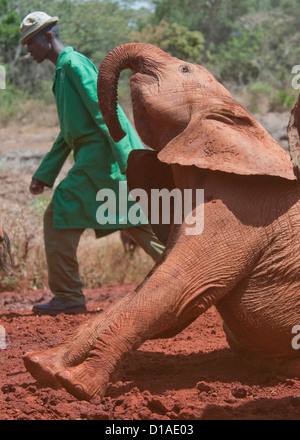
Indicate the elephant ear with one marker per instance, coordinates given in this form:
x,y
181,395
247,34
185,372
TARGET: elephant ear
x,y
293,132
228,139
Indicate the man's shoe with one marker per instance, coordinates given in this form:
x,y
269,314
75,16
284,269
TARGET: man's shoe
x,y
56,306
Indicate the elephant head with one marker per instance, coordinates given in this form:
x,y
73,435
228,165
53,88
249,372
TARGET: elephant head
x,y
181,111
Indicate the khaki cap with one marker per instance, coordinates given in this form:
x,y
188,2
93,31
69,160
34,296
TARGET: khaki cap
x,y
34,23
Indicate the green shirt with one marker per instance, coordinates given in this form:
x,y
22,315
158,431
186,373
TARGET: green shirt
x,y
99,161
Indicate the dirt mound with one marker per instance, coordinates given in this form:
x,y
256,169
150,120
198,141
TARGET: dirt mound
x,y
193,376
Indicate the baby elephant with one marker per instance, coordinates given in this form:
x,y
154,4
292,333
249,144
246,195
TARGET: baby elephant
x,y
244,259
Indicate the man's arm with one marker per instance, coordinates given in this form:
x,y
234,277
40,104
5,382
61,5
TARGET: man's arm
x,y
50,166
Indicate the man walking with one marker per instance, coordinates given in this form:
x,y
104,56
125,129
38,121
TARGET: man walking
x,y
99,163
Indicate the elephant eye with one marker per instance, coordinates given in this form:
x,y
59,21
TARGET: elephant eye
x,y
185,69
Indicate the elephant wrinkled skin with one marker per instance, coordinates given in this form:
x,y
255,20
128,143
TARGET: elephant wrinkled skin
x,y
245,262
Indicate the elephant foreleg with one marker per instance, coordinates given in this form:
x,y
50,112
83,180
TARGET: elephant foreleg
x,y
177,293
149,313
43,365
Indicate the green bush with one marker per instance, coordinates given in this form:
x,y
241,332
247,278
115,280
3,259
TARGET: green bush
x,y
10,102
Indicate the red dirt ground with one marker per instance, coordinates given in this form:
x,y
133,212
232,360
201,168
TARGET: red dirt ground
x,y
193,376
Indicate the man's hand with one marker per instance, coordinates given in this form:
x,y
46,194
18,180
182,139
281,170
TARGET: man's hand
x,y
36,187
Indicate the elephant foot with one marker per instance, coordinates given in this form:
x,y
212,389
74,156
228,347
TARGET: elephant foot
x,y
43,365
90,378
82,382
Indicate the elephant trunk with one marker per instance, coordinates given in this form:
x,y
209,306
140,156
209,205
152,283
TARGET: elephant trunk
x,y
138,57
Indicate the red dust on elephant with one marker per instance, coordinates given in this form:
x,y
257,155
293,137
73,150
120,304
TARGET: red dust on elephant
x,y
245,262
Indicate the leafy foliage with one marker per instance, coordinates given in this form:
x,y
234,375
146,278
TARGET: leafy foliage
x,y
240,42
173,38
9,32
244,42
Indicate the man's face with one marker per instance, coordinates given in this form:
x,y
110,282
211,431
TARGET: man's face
x,y
39,47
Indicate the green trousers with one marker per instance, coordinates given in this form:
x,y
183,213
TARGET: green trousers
x,y
61,254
